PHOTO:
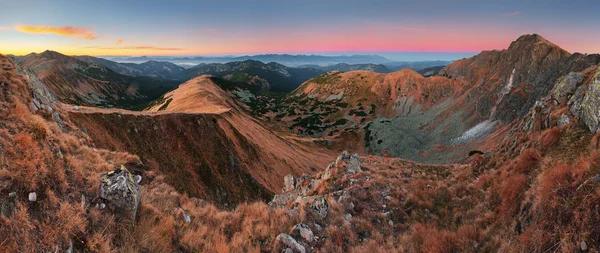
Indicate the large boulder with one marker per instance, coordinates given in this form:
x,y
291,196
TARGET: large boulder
x,y
121,191
303,231
287,242
589,110
566,86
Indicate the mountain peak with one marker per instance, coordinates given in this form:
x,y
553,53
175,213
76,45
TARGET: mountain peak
x,y
531,40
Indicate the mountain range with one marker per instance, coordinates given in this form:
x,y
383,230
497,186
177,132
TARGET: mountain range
x,y
496,152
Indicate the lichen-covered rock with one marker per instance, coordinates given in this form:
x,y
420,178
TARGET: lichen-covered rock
x,y
119,189
563,120
320,206
590,105
566,86
575,101
285,241
353,164
303,231
290,182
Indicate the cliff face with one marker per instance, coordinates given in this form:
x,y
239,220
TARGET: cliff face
x,y
510,81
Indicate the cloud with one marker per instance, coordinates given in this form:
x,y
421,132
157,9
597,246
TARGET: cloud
x,y
135,48
5,28
119,41
69,31
512,14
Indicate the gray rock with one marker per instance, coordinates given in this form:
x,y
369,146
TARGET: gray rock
x,y
348,217
290,182
120,190
12,194
303,231
137,179
320,206
32,196
186,216
285,241
288,250
318,228
354,164
345,155
588,110
70,248
584,246
563,120
566,86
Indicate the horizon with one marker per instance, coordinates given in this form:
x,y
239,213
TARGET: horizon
x,y
274,27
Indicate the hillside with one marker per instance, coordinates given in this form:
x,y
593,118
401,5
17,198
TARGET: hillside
x,y
255,75
216,142
78,82
404,114
154,69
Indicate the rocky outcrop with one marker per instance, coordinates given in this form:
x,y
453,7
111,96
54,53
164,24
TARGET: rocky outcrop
x,y
589,108
119,189
566,86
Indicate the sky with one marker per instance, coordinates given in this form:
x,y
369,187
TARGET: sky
x,y
394,29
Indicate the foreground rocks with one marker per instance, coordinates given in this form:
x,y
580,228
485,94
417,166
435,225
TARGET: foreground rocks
x,y
120,191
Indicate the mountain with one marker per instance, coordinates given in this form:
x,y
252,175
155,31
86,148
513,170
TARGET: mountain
x,y
416,65
219,152
196,173
154,69
404,114
344,67
78,82
256,75
426,72
285,59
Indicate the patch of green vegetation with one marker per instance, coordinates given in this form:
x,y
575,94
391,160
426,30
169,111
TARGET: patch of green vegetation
x,y
166,104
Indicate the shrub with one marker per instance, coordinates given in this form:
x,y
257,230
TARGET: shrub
x,y
550,138
527,160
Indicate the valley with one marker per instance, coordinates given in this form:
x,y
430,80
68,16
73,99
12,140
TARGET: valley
x,y
496,152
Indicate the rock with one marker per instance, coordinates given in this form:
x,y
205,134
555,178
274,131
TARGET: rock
x,y
563,120
354,164
186,216
75,107
566,86
351,206
589,111
345,155
70,249
575,101
597,178
285,241
320,206
348,217
290,182
584,246
12,194
303,231
318,228
137,179
288,250
120,190
32,196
